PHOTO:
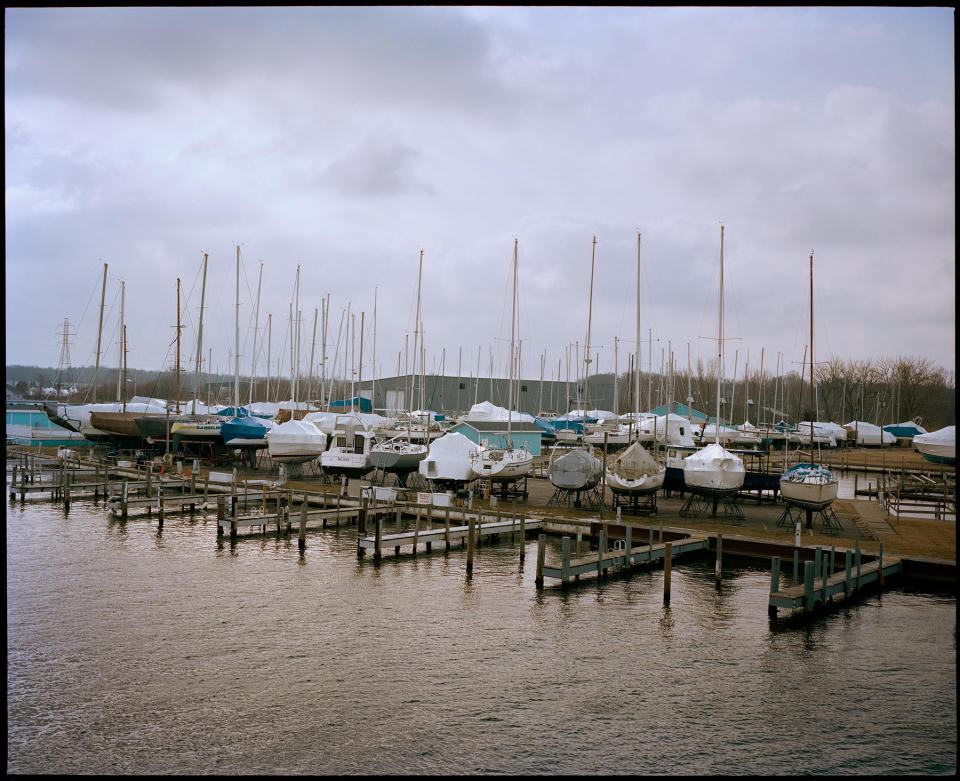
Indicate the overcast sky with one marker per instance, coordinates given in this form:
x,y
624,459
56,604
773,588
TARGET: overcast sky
x,y
347,140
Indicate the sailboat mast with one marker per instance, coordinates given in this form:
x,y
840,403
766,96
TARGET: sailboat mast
x,y
178,344
256,327
103,294
513,322
120,389
586,351
811,356
196,380
416,330
719,341
236,349
636,360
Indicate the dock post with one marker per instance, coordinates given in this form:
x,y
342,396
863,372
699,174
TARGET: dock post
x,y
774,584
796,566
564,559
857,560
446,527
378,537
221,508
823,581
470,546
302,536
263,490
880,568
718,564
846,578
160,505
579,542
818,561
667,565
399,515
628,547
13,484
808,570
149,481
600,551
650,549
66,491
523,536
123,504
416,531
541,551
362,517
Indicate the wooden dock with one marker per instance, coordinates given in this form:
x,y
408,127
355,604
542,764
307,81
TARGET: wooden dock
x,y
822,585
603,560
446,534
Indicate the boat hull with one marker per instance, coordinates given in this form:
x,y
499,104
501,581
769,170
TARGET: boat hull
x,y
397,460
576,470
646,484
810,486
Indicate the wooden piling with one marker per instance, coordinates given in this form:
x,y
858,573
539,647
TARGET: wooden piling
x,y
846,577
808,570
600,551
416,531
378,537
564,560
541,553
774,583
446,527
718,564
470,546
523,536
667,565
302,536
627,546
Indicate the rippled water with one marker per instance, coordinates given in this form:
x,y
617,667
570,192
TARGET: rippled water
x,y
132,650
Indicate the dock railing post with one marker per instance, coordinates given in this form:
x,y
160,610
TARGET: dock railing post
x,y
600,551
667,566
846,578
627,547
564,559
880,567
470,546
541,552
523,536
302,535
362,517
774,584
650,549
416,531
718,565
808,570
446,527
857,561
796,566
378,537
579,542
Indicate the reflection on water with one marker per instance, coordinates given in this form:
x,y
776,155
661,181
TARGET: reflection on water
x,y
136,650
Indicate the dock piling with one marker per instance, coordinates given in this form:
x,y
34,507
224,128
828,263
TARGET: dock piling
x,y
718,564
808,570
541,553
470,546
774,583
667,565
302,536
564,560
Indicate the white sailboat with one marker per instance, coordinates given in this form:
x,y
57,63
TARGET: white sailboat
x,y
508,463
634,472
714,471
400,455
938,447
809,485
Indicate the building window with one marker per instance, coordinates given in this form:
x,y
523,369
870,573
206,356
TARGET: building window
x,y
462,386
523,388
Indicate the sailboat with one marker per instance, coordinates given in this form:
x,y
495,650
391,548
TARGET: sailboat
x,y
508,463
578,469
634,472
714,471
809,485
400,455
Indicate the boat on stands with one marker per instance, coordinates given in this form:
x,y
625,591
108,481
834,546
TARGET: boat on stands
x,y
938,447
295,442
809,485
449,461
714,471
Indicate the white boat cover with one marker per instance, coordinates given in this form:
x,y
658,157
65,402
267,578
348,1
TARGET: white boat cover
x,y
486,410
297,432
869,434
449,458
944,437
633,463
713,467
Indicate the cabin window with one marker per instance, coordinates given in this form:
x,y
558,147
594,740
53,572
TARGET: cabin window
x,y
341,441
358,443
